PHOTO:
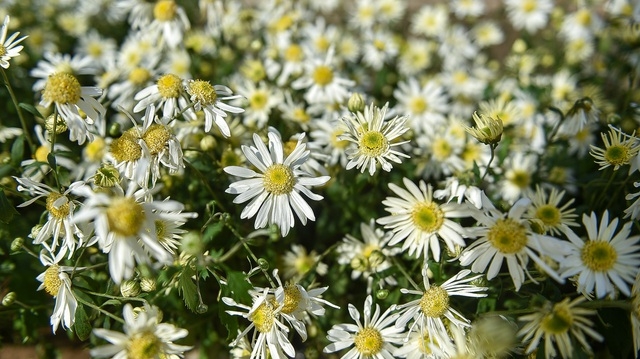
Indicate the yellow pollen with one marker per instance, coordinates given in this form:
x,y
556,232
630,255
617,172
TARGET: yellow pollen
x,y
203,92
125,216
293,53
161,229
263,316
60,211
165,10
434,302
599,256
52,281
259,99
337,143
322,75
417,105
279,179
282,23
126,147
548,214
3,50
368,341
41,153
292,297
144,345
169,86
427,216
460,77
441,149
156,138
424,341
379,45
94,150
139,76
300,115
584,17
62,88
519,178
558,321
302,264
617,155
507,236
288,147
95,49
528,6
373,143
558,175
322,43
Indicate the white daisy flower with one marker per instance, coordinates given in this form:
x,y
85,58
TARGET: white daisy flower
x,y
633,211
322,82
53,63
374,338
37,167
559,323
457,188
9,47
209,99
509,237
429,312
56,282
269,339
168,94
373,138
169,22
419,222
530,15
275,189
547,213
297,262
606,260
426,105
144,337
125,225
7,133
619,149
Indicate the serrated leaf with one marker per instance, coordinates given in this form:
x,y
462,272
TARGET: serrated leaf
x,y
188,289
82,326
239,287
6,209
17,151
31,109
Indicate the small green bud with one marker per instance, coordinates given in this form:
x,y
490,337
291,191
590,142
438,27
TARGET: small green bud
x,y
208,143
9,299
148,284
356,103
60,124
115,130
35,230
202,308
360,263
382,294
17,244
106,176
376,258
129,288
192,243
311,353
263,263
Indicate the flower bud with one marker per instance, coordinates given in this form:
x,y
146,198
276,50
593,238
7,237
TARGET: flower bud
x,y
382,294
129,288
59,124
208,143
488,130
191,243
115,130
17,244
148,284
106,176
356,103
263,263
9,299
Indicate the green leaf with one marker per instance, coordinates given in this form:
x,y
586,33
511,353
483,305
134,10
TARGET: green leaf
x,y
115,302
239,287
82,326
212,231
188,288
17,151
5,170
51,159
31,109
6,209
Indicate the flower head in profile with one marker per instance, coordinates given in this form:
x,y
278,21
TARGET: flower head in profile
x,y
487,130
56,282
374,337
373,138
209,99
275,189
606,260
144,336
9,47
559,323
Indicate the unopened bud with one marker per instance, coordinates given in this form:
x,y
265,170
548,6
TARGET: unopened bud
x,y
208,143
9,299
202,308
263,263
59,124
376,258
17,244
115,130
106,176
129,288
356,103
148,284
382,294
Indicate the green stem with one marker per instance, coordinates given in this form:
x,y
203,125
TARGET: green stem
x,y
597,304
114,296
23,122
486,171
405,273
91,305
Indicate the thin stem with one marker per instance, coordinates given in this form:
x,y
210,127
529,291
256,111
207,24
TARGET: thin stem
x,y
486,171
91,305
405,273
114,296
23,122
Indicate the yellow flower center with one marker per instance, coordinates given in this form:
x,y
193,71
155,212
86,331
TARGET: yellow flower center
x,y
125,216
52,281
322,75
335,141
507,236
156,138
368,341
379,45
41,153
126,147
282,23
584,17
94,150
203,92
3,50
165,10
617,155
322,43
258,100
300,115
427,216
292,297
144,345
558,175
373,143
549,215
558,321
161,229
288,147
139,76
264,316
424,341
279,179
230,158
519,178
441,149
417,105
434,302
599,256
303,264
293,53
169,86
60,211
528,6
62,88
